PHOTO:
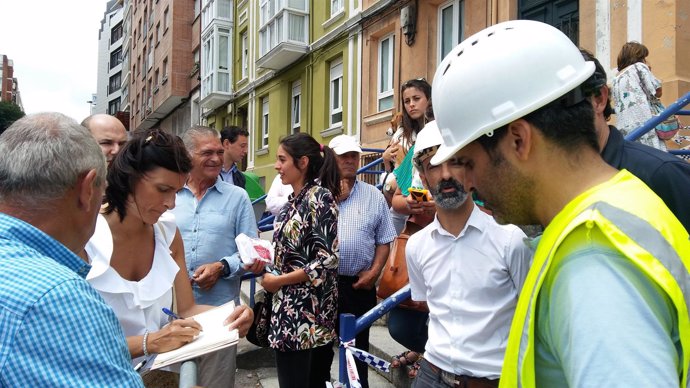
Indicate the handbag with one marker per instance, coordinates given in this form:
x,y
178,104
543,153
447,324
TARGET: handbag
x,y
668,128
395,272
258,332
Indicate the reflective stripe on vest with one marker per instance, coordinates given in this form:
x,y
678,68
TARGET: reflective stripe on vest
x,y
664,256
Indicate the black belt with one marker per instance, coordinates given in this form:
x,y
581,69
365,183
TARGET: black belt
x,y
463,381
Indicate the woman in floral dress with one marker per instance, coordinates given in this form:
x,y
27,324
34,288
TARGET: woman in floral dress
x,y
632,90
305,297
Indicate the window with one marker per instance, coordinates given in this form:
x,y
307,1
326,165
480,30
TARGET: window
x,y
197,8
116,33
245,55
166,15
385,73
336,95
264,122
158,33
282,21
336,6
450,33
215,71
115,57
114,106
296,105
156,79
151,52
165,70
115,83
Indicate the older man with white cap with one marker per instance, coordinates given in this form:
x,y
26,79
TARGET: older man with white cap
x,y
468,270
365,231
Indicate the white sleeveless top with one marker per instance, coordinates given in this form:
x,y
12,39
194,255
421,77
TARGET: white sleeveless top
x,y
138,305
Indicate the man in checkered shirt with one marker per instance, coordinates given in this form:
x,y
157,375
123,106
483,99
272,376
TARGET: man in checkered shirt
x,y
365,231
55,330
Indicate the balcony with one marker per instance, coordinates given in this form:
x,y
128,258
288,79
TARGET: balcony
x,y
283,38
216,60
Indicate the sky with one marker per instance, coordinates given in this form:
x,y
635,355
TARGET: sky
x,y
54,47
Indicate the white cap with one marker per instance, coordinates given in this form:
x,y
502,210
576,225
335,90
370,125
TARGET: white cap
x,y
428,140
342,144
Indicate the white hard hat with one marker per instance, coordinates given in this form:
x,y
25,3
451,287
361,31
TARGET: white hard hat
x,y
428,140
501,74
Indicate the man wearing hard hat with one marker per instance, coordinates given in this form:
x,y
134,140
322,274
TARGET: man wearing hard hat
x,y
469,270
605,301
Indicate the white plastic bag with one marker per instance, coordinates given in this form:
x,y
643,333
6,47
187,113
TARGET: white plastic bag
x,y
252,249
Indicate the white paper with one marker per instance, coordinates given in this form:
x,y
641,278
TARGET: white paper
x,y
214,336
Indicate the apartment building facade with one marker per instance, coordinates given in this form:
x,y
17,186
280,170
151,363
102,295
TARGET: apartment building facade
x,y
108,96
9,86
161,77
328,67
411,37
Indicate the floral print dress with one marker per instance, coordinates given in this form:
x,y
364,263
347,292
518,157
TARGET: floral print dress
x,y
632,89
306,239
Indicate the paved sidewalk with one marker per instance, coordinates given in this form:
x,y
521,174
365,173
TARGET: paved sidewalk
x,y
256,366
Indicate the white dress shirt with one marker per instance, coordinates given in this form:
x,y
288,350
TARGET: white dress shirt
x,y
471,284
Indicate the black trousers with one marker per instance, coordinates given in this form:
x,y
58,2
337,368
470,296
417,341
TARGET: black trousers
x,y
309,368
356,302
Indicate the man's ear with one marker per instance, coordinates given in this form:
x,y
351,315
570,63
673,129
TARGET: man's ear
x,y
520,137
86,189
599,102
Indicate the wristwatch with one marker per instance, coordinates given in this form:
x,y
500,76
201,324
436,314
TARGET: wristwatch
x,y
226,268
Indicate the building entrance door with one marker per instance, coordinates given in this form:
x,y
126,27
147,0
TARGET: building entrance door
x,y
562,14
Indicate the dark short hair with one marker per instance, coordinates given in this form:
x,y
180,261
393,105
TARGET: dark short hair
x,y
145,151
594,84
231,133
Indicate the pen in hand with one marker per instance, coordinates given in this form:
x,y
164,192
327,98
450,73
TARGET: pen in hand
x,y
171,314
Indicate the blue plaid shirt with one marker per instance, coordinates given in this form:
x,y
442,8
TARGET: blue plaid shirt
x,y
364,222
55,330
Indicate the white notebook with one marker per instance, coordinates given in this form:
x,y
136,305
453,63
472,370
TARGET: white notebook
x,y
214,336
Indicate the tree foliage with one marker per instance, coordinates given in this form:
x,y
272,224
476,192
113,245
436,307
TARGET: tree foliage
x,y
9,113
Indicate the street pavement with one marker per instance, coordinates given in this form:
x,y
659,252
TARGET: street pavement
x,y
256,366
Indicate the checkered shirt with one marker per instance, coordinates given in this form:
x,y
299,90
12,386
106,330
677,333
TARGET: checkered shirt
x,y
55,330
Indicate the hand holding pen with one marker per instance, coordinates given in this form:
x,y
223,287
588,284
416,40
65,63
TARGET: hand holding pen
x,y
178,332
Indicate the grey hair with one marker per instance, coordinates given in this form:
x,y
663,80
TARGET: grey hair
x,y
189,136
42,156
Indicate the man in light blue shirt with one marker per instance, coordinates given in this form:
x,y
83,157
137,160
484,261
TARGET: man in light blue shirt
x,y
210,213
55,330
365,230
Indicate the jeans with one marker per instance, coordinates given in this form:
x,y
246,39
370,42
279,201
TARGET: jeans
x,y
409,328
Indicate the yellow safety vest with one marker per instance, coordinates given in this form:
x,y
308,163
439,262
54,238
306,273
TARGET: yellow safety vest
x,y
638,224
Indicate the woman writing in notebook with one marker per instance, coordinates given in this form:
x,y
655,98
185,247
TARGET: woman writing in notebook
x,y
137,253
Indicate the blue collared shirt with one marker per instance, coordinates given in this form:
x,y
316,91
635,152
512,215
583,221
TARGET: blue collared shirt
x,y
226,175
364,222
208,228
55,330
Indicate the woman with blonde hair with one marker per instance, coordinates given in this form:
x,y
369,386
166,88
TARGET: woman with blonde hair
x,y
633,89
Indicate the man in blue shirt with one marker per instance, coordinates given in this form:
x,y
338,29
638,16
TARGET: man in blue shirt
x,y
56,329
365,231
235,141
667,175
210,213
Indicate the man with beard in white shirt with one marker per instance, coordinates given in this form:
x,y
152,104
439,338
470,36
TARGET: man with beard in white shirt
x,y
469,270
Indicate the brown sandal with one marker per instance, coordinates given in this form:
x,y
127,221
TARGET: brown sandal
x,y
414,368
